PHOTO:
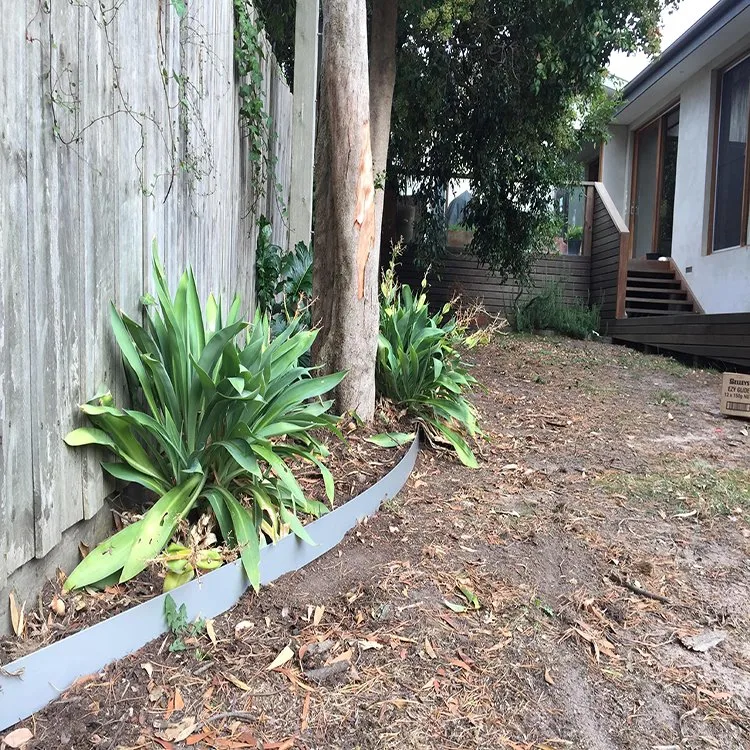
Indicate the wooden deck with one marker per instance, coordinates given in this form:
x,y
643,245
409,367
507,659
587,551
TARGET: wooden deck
x,y
723,339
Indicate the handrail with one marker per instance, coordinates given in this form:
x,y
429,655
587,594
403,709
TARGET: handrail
x,y
624,252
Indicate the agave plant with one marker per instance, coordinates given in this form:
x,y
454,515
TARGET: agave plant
x,y
223,409
419,368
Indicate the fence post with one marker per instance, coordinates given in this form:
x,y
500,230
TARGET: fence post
x,y
303,121
588,222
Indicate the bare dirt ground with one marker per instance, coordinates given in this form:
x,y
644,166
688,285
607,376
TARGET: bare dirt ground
x,y
547,600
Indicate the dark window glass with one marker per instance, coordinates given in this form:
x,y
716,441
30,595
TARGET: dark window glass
x,y
671,124
730,161
645,190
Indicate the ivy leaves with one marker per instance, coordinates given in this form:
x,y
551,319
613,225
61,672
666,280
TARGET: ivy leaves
x,y
180,8
255,122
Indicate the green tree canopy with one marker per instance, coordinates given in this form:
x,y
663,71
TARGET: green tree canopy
x,y
504,93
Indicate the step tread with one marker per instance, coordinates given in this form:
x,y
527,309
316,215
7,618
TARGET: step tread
x,y
641,264
638,274
656,290
656,283
645,312
659,301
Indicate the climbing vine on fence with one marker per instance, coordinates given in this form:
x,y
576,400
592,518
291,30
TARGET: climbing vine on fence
x,y
254,119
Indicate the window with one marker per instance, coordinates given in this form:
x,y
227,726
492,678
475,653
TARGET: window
x,y
654,173
731,188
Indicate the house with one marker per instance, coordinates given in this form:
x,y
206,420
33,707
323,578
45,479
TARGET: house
x,y
675,174
677,166
665,246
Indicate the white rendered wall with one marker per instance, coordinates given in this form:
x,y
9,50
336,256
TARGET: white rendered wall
x,y
720,281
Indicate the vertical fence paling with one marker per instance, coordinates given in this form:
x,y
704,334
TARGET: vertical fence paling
x,y
121,126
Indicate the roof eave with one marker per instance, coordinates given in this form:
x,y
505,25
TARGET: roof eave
x,y
709,24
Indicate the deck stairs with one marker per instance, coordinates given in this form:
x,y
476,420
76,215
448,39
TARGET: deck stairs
x,y
656,287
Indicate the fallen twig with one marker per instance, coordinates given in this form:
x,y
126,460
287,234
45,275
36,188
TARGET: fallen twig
x,y
637,589
241,715
7,673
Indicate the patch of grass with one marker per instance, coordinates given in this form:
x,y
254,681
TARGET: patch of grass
x,y
697,486
393,505
665,396
660,363
599,387
653,363
548,311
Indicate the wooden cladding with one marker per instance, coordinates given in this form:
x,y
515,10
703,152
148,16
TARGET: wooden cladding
x,y
609,256
460,274
591,278
721,338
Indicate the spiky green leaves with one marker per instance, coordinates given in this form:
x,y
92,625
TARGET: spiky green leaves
x,y
223,411
419,368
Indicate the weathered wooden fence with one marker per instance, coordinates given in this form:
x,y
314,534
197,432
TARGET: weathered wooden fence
x,y
460,274
119,125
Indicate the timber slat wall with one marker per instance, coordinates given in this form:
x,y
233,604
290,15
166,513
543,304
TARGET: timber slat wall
x,y
605,257
120,125
459,274
721,337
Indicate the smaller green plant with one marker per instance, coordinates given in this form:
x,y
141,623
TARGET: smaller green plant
x,y
575,232
548,311
665,396
181,563
475,326
179,626
283,280
267,267
419,368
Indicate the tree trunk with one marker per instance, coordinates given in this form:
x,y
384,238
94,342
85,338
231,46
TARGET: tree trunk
x,y
345,266
382,81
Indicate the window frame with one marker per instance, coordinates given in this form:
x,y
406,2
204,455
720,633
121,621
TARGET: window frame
x,y
660,120
745,216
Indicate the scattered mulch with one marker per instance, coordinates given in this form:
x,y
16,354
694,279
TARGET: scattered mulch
x,y
506,607
355,463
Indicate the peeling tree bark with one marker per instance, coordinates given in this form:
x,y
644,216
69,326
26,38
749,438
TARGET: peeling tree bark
x,y
345,266
382,82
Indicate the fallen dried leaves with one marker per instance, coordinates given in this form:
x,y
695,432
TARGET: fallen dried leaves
x,y
362,647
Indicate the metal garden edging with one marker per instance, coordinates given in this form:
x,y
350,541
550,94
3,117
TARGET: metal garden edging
x,y
30,683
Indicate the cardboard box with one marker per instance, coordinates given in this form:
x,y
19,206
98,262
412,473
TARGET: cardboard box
x,y
735,395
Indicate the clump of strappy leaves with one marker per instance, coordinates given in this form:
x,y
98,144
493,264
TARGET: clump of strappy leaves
x,y
419,367
222,411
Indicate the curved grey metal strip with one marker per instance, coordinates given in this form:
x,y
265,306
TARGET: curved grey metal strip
x,y
43,675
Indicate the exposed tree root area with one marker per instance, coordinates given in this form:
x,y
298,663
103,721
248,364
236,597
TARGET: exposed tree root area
x,y
550,599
